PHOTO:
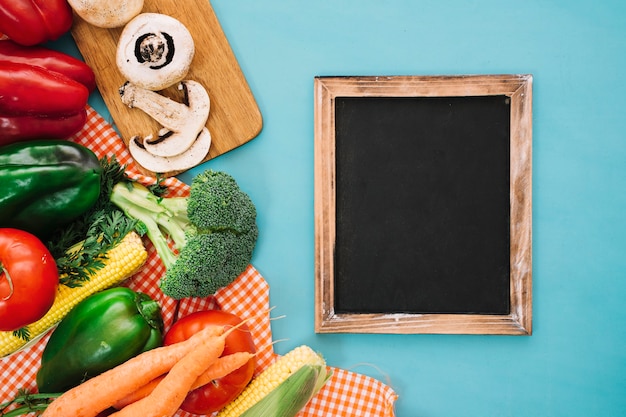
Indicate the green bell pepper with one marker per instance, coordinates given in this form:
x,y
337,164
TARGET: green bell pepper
x,y
101,332
46,184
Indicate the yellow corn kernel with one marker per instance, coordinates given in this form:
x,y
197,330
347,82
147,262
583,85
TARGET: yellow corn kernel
x,y
271,378
121,262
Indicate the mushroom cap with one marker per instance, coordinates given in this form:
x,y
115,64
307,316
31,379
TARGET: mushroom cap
x,y
154,51
107,14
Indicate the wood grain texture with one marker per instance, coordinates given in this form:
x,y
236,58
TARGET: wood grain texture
x,y
234,118
519,89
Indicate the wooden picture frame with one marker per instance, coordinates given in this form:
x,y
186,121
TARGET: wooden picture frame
x,y
518,88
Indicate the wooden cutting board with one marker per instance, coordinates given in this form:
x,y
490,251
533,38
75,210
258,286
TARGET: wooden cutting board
x,y
234,118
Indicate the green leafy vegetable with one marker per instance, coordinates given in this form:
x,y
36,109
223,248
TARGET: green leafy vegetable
x,y
213,231
79,248
26,402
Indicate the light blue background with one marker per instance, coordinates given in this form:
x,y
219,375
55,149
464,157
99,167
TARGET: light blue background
x,y
575,362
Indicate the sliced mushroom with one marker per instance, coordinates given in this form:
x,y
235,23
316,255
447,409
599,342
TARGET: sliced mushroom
x,y
161,164
154,51
181,121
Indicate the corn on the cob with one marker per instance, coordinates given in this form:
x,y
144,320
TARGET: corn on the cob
x,y
121,262
283,388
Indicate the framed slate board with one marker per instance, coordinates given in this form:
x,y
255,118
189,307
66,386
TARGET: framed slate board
x,y
423,207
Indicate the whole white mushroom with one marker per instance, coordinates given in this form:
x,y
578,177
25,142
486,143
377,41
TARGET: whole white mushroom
x,y
107,14
154,51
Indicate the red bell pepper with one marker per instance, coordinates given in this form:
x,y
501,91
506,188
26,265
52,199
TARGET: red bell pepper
x,y
31,22
26,89
49,59
21,128
38,103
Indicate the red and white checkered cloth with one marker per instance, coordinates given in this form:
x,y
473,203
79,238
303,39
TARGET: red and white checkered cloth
x,y
345,394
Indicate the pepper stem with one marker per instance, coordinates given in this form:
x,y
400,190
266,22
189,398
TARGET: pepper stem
x,y
5,273
149,310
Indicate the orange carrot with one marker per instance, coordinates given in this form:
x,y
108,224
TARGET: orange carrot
x,y
223,366
170,393
138,394
101,392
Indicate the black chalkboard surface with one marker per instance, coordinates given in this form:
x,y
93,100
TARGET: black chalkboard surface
x,y
416,186
422,201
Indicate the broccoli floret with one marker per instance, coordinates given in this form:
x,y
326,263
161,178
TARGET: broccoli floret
x,y
216,203
221,256
214,231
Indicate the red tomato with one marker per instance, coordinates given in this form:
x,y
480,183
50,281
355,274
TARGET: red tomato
x,y
28,279
216,394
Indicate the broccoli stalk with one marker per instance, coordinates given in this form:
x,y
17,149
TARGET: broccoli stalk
x,y
159,218
213,231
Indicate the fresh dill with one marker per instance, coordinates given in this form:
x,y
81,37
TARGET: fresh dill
x,y
80,248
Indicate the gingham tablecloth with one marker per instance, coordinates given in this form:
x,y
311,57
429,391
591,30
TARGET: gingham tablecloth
x,y
345,394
